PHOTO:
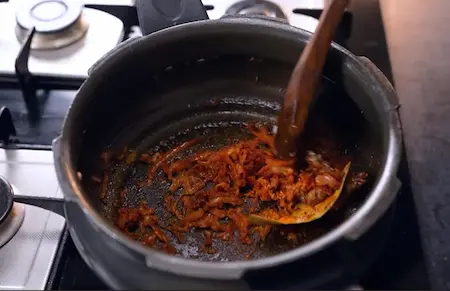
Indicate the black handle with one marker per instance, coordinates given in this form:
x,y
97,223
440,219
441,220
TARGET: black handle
x,y
55,205
154,15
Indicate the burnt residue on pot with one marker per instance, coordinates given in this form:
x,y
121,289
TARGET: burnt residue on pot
x,y
244,90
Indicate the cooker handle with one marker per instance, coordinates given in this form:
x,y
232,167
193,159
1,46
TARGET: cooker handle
x,y
393,184
154,15
69,195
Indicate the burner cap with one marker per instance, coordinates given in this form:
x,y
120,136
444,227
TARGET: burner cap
x,y
256,7
12,223
11,214
48,16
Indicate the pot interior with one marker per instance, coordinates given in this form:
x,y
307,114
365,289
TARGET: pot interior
x,y
166,91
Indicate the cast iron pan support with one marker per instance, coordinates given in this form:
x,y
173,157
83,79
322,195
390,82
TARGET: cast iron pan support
x,y
55,205
8,197
338,262
25,78
7,127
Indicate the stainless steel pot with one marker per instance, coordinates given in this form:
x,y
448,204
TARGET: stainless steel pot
x,y
102,100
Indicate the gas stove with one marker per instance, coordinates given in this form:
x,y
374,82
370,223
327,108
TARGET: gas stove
x,y
47,47
30,237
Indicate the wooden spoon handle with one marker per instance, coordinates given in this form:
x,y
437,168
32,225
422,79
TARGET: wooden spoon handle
x,y
304,79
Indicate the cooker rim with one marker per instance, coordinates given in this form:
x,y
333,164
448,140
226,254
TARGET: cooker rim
x,y
390,160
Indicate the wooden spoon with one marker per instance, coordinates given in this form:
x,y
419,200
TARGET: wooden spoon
x,y
304,213
304,79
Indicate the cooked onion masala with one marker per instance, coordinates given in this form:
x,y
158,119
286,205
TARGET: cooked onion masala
x,y
232,191
301,212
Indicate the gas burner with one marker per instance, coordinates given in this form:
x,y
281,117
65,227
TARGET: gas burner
x,y
57,23
256,7
12,223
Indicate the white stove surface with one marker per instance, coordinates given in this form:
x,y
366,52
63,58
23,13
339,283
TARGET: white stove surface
x,y
104,33
26,260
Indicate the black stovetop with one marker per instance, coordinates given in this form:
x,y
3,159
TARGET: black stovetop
x,y
401,263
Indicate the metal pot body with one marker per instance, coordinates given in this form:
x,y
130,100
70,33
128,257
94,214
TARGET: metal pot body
x,y
123,263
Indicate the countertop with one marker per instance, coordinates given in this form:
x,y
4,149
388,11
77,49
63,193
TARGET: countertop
x,y
418,42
